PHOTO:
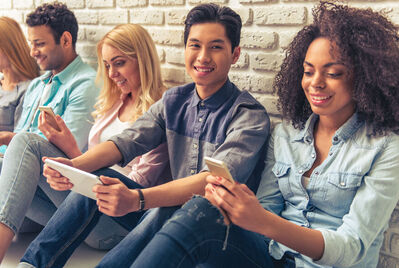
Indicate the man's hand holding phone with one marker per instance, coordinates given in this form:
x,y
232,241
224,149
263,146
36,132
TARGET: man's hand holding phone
x,y
47,116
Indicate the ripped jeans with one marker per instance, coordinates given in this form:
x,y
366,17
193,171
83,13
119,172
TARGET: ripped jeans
x,y
195,237
74,220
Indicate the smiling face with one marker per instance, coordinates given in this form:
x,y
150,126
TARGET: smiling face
x,y
327,83
48,54
208,57
122,69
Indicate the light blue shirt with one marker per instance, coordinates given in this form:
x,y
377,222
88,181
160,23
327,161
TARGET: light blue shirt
x,y
350,196
72,95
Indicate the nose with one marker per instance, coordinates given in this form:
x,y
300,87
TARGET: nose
x,y
318,81
112,72
204,56
34,51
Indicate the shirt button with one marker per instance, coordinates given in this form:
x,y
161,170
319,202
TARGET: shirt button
x,y
342,183
278,173
192,172
300,171
316,173
313,155
195,146
331,153
202,104
335,139
200,119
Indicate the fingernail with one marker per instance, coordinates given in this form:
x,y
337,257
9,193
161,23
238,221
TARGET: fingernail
x,y
218,178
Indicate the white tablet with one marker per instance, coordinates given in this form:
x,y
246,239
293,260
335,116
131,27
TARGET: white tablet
x,y
82,181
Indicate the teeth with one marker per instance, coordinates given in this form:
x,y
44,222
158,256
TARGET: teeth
x,y
320,98
204,69
120,82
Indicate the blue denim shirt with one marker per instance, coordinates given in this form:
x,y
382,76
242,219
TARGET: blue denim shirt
x,y
350,196
72,96
230,125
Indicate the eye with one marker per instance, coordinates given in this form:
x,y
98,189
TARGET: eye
x,y
119,63
106,66
216,47
334,75
40,44
193,45
307,73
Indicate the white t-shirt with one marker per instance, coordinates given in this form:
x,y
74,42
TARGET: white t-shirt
x,y
116,127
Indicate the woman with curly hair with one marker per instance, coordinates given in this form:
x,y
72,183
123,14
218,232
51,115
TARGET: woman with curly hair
x,y
331,179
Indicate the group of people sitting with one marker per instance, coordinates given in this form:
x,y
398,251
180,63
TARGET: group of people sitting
x,y
316,192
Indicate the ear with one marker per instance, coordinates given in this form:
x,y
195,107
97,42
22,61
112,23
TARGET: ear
x,y
66,39
236,54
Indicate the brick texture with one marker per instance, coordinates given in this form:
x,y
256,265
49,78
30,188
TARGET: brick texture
x,y
268,28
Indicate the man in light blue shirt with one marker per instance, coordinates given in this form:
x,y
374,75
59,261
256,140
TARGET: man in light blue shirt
x,y
67,86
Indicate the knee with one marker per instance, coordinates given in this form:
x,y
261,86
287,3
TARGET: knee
x,y
24,138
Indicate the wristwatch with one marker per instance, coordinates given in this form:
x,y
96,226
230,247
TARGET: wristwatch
x,y
141,200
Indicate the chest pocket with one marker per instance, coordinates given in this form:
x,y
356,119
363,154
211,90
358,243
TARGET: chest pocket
x,y
340,191
281,171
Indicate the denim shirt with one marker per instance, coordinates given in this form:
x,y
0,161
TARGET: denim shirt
x,y
72,96
230,125
350,196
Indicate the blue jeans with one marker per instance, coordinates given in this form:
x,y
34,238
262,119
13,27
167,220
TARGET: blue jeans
x,y
74,220
195,236
24,191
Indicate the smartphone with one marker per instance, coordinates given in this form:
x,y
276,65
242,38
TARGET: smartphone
x,y
51,118
218,168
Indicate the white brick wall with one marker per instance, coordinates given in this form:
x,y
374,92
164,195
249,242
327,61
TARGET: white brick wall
x,y
269,26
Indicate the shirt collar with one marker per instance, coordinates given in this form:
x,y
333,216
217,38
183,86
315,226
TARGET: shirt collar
x,y
343,133
214,101
65,74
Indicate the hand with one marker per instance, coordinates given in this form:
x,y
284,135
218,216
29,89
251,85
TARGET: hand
x,y
62,138
114,198
54,178
238,201
5,137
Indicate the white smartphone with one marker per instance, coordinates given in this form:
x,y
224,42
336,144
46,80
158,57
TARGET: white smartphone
x,y
218,168
82,181
51,118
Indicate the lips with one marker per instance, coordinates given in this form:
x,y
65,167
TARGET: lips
x,y
203,69
320,99
120,82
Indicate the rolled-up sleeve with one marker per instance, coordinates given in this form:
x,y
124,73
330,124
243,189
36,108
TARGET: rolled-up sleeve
x,y
369,213
245,140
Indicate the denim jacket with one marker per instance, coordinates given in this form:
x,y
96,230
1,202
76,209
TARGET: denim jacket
x,y
350,196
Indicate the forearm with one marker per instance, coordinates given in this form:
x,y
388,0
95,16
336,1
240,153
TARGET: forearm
x,y
176,192
306,241
102,155
6,137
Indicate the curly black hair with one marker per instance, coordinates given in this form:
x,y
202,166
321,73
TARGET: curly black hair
x,y
58,17
368,44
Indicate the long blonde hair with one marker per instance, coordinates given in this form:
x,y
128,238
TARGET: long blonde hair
x,y
132,40
14,45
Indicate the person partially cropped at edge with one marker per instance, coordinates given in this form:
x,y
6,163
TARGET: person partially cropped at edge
x,y
18,68
331,175
210,117
67,86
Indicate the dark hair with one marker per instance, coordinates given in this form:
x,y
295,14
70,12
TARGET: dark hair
x,y
367,43
58,17
214,13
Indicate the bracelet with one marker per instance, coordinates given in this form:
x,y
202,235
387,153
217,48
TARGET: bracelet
x,y
141,200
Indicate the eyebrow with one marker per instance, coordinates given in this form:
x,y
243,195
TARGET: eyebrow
x,y
325,65
213,41
118,56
